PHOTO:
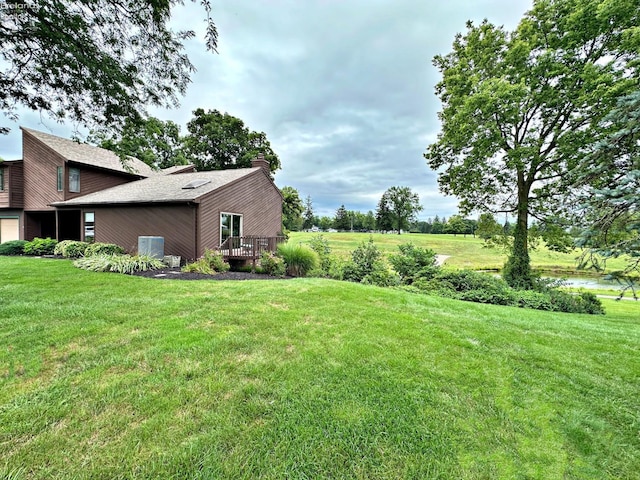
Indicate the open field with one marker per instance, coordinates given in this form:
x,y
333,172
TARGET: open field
x,y
106,376
465,252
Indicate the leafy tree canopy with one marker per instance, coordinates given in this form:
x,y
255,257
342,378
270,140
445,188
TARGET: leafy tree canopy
x,y
399,205
519,109
218,141
292,209
95,62
155,142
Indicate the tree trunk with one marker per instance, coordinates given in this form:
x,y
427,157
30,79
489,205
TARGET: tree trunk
x,y
517,270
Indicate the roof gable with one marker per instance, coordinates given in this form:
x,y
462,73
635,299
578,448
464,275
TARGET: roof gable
x,y
86,154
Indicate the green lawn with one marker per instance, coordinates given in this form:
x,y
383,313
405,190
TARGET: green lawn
x,y
105,376
465,252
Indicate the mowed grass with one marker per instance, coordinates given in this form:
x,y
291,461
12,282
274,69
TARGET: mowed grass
x,y
465,252
105,376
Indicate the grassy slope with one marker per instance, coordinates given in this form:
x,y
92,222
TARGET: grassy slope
x,y
465,252
108,376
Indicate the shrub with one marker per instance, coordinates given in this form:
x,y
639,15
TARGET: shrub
x,y
482,288
320,245
126,264
40,246
99,248
414,262
272,264
366,266
12,247
210,263
299,259
70,248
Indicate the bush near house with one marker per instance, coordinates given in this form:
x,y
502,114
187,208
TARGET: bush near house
x,y
12,247
272,265
99,248
40,246
71,248
212,262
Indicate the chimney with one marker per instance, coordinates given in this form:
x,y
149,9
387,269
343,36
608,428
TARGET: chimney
x,y
260,161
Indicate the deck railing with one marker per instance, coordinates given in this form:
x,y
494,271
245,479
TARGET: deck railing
x,y
249,247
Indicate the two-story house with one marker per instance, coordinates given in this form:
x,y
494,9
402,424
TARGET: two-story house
x,y
64,189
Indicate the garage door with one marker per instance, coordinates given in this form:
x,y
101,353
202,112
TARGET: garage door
x,y
9,229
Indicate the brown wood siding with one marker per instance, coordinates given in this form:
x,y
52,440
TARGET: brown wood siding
x,y
13,194
254,196
93,180
40,174
16,185
123,226
4,188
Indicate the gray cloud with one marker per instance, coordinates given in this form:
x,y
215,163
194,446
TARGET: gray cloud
x,y
344,90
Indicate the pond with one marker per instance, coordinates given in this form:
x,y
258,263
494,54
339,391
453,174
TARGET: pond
x,y
595,283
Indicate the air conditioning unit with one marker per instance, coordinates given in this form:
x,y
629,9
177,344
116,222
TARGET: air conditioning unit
x,y
151,246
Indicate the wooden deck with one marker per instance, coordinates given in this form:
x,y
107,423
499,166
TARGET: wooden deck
x,y
249,247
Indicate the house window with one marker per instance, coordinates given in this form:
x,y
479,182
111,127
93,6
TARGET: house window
x,y
60,179
230,226
1,179
89,226
74,180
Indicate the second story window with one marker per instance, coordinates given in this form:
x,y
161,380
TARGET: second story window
x,y
74,180
1,179
60,179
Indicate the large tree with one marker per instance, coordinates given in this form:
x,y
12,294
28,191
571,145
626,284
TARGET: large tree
x,y
400,206
218,141
611,195
519,108
292,209
95,62
156,142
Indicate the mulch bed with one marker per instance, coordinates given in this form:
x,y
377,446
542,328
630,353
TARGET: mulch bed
x,y
176,274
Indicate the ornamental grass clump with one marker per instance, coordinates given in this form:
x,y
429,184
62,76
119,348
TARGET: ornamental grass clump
x,y
99,248
126,264
71,248
299,259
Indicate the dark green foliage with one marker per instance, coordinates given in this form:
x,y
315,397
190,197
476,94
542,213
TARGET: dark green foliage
x,y
320,245
12,247
157,143
292,209
272,264
413,262
218,141
342,221
398,208
210,263
299,259
366,266
484,288
99,248
96,62
520,110
126,264
71,248
40,246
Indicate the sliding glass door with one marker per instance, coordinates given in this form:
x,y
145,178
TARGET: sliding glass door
x,y
230,226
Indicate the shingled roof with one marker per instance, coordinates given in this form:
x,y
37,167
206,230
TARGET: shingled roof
x,y
86,154
163,188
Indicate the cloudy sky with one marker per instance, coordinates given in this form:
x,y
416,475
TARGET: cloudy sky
x,y
343,89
